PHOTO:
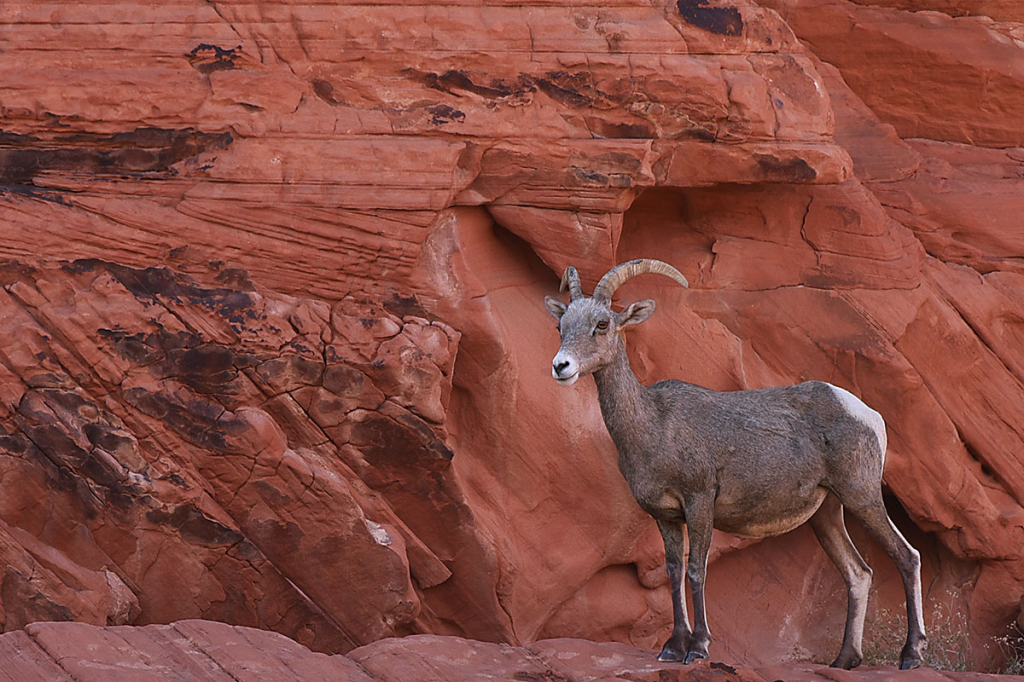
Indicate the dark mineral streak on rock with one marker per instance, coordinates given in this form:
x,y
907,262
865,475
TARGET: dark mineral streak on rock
x,y
777,170
151,283
442,114
194,526
725,21
206,58
139,152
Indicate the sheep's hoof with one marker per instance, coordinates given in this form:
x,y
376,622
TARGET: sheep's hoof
x,y
674,648
912,655
846,662
670,655
692,656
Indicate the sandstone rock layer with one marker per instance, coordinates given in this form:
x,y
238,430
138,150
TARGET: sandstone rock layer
x,y
203,651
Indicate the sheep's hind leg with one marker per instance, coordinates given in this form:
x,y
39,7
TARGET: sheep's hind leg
x,y
908,562
830,530
677,644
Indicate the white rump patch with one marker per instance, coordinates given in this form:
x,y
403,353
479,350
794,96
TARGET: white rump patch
x,y
861,412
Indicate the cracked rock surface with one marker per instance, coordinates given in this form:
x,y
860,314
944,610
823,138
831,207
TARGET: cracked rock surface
x,y
219,451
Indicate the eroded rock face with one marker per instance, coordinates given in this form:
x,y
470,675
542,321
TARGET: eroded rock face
x,y
228,454
273,349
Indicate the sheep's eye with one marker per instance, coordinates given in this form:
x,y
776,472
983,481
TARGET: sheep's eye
x,y
602,325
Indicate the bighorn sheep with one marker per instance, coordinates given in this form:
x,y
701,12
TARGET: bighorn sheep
x,y
756,463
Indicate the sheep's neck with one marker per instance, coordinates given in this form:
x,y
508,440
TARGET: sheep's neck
x,y
624,402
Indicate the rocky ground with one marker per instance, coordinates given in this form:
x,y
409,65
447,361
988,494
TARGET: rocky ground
x,y
204,651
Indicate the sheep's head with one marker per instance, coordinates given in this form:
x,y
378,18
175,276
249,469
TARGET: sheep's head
x,y
589,327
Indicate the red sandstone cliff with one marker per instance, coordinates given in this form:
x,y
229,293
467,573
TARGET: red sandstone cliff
x,y
273,350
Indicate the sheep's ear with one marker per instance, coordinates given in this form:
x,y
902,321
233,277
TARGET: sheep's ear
x,y
556,307
635,313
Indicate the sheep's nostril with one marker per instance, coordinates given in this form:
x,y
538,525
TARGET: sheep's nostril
x,y
561,366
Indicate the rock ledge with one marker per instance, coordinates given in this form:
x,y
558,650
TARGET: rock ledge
x,y
206,651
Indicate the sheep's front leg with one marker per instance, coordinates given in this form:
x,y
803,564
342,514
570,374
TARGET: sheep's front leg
x,y
676,646
700,517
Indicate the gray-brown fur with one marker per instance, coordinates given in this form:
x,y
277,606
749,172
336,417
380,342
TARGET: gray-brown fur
x,y
755,463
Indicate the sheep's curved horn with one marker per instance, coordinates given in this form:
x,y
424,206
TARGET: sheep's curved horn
x,y
571,279
620,273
